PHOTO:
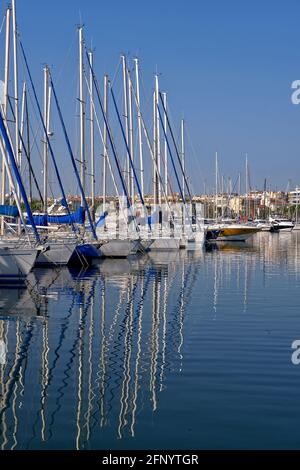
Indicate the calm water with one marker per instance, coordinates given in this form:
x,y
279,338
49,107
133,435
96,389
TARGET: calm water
x,y
191,350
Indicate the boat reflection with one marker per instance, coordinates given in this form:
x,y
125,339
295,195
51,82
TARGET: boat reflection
x,y
96,349
110,350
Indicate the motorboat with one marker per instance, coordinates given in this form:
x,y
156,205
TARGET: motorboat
x,y
281,225
233,232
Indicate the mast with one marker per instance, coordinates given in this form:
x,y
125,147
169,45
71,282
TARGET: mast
x,y
165,144
139,124
16,84
105,109
130,138
239,196
183,175
128,171
45,162
157,140
297,202
23,104
28,142
82,114
246,185
155,163
204,200
6,80
183,156
222,197
92,135
23,118
216,190
16,97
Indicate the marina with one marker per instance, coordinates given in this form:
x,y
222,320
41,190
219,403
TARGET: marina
x,y
135,353
149,250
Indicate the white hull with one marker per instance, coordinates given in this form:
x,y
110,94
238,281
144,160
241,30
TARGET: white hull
x,y
197,242
194,242
59,254
16,264
281,229
281,225
297,227
165,244
118,248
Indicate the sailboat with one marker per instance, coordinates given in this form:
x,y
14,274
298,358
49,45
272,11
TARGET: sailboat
x,y
16,264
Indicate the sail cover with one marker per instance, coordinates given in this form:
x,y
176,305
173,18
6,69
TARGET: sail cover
x,y
40,220
9,211
77,217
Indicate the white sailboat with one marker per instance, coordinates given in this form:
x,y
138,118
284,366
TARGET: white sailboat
x,y
16,264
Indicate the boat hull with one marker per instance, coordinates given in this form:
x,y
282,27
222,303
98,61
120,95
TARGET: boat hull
x,y
236,233
16,264
59,254
118,248
165,244
197,242
84,254
281,228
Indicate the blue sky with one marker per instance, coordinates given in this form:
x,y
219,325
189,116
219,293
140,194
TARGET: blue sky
x,y
227,67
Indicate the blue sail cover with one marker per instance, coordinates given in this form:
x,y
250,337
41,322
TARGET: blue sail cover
x,y
9,211
101,220
40,220
77,217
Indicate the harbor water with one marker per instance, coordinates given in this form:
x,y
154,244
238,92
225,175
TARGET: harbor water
x,y
185,350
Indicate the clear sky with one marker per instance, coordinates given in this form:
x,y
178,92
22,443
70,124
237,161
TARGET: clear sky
x,y
227,67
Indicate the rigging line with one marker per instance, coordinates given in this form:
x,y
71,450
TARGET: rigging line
x,y
11,156
149,145
172,160
127,148
171,155
148,97
102,140
116,72
110,137
2,23
73,159
48,140
36,134
174,142
35,137
169,179
59,75
193,148
30,167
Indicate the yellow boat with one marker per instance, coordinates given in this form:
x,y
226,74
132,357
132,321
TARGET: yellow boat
x,y
234,232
